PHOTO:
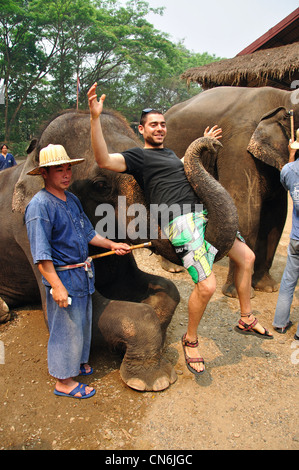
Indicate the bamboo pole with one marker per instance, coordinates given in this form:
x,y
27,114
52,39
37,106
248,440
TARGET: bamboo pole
x,y
133,247
292,125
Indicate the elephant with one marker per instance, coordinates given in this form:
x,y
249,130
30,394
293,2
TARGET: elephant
x,y
138,306
256,130
131,309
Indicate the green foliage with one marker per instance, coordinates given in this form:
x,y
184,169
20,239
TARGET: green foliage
x,y
46,44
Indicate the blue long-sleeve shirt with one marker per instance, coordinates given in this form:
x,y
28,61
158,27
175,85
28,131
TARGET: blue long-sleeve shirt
x,y
7,161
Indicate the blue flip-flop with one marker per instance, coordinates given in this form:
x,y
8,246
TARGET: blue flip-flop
x,y
83,371
79,389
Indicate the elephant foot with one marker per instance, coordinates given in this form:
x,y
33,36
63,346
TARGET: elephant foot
x,y
230,291
170,267
264,283
5,314
152,378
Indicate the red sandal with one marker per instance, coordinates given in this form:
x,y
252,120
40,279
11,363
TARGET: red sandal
x,y
248,329
192,360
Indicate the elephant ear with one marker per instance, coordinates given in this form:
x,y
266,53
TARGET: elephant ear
x,y
27,186
269,142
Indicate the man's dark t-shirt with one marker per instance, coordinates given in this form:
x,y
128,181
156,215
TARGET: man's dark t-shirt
x,y
160,173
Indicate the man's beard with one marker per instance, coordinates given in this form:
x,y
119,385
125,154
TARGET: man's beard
x,y
153,143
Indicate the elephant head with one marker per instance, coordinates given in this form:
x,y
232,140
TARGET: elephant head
x,y
72,130
26,187
269,142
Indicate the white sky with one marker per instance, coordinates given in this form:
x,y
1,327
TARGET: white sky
x,y
220,27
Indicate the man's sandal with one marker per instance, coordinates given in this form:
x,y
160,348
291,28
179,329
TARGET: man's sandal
x,y
83,370
81,388
284,329
192,360
248,329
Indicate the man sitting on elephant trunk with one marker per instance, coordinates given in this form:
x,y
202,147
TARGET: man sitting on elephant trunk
x,y
152,167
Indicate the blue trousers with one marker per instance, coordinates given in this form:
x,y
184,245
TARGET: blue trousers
x,y
70,336
287,287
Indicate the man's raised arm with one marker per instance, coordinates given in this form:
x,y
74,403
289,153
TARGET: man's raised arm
x,y
115,161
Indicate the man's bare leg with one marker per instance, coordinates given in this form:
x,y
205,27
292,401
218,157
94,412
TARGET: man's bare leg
x,y
244,258
198,301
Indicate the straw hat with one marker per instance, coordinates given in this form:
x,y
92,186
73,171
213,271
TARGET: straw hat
x,y
53,155
295,145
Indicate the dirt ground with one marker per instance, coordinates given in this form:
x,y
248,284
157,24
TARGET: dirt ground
x,y
247,399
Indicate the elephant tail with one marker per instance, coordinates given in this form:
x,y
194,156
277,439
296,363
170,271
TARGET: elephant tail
x,y
222,214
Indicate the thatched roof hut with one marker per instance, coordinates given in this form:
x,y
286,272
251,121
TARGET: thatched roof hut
x,y
277,67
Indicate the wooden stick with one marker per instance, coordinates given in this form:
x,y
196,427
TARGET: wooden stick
x,y
133,247
292,125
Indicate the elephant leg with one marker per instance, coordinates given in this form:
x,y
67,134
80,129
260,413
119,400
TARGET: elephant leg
x,y
271,223
229,288
246,195
273,217
5,314
134,285
163,296
134,328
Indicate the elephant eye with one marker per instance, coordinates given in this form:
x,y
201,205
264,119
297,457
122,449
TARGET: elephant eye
x,y
100,185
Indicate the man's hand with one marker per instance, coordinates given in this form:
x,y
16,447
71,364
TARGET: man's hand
x,y
292,152
215,132
60,295
120,248
95,106
59,292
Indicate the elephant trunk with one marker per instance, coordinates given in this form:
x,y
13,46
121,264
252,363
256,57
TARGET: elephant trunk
x,y
222,214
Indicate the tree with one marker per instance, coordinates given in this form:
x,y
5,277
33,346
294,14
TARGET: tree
x,y
136,65
59,39
46,44
162,88
23,62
